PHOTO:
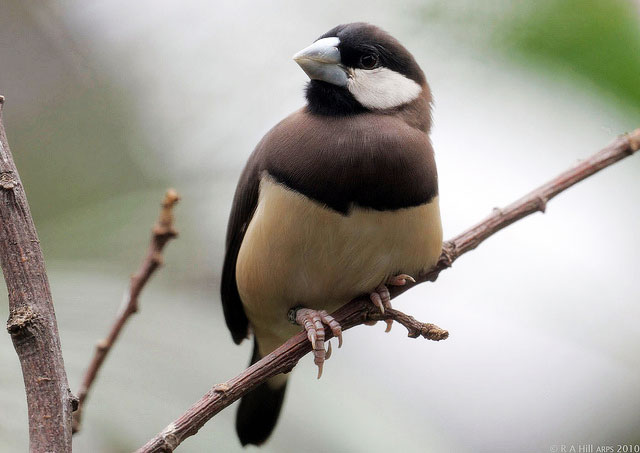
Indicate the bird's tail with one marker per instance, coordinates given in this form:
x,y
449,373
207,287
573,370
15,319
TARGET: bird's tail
x,y
259,409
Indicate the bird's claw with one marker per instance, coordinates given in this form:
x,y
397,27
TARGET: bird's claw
x,y
313,322
376,298
400,280
381,297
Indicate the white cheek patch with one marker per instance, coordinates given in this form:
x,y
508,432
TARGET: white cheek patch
x,y
382,88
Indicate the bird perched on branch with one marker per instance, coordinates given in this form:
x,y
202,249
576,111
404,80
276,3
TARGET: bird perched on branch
x,y
338,200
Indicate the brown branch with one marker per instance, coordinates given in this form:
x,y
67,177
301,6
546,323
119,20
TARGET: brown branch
x,y
360,310
282,360
162,232
534,201
32,320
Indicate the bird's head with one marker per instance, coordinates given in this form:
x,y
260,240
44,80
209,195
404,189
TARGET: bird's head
x,y
357,68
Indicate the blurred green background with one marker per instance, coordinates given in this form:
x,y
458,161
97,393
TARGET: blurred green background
x,y
111,102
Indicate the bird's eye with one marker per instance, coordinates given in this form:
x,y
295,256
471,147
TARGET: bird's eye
x,y
369,61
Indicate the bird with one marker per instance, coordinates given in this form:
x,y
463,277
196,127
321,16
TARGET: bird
x,y
338,200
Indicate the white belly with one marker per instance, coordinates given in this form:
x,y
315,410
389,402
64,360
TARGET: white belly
x,y
297,252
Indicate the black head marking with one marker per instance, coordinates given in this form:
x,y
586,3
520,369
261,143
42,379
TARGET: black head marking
x,y
360,40
362,46
326,99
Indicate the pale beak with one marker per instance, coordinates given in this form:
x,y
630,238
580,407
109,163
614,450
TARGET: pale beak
x,y
321,61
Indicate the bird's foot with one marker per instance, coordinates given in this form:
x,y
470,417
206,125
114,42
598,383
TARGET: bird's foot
x,y
400,280
381,297
313,322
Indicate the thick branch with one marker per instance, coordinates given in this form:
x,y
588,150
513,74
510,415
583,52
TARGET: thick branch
x,y
162,232
32,320
360,310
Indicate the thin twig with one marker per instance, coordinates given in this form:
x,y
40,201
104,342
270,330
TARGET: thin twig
x,y
32,320
534,201
360,310
282,360
162,232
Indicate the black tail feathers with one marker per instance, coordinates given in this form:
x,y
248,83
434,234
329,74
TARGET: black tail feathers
x,y
259,410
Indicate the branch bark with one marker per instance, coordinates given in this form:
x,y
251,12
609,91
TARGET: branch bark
x,y
162,232
282,360
360,310
32,320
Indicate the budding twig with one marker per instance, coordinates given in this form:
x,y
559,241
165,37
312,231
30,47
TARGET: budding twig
x,y
162,232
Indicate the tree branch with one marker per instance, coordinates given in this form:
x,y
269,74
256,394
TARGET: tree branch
x,y
360,310
534,201
32,320
162,232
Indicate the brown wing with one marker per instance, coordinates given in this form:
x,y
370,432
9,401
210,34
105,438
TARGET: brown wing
x,y
244,204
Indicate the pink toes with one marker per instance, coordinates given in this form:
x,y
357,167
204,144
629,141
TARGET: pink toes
x,y
381,297
313,322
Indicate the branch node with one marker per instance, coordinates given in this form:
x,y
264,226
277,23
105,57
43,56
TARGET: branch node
x,y
161,230
433,332
541,203
169,438
221,388
171,197
157,258
634,141
102,345
19,319
75,401
448,255
8,180
164,227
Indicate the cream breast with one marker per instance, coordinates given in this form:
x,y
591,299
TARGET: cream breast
x,y
298,252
